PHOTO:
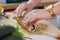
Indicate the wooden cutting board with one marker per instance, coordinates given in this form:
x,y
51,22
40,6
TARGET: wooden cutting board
x,y
15,5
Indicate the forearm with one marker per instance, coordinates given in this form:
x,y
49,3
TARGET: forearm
x,y
57,8
33,2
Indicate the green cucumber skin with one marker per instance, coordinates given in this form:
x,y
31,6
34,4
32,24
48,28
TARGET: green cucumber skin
x,y
6,31
14,37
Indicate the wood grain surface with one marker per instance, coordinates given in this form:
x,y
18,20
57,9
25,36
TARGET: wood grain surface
x,y
15,5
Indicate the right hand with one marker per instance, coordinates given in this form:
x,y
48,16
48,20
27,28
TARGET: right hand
x,y
23,7
35,15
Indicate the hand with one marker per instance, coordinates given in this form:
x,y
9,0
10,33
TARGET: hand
x,y
35,15
23,7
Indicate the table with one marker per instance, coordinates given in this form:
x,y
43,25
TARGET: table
x,y
15,5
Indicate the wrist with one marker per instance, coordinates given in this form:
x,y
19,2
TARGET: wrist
x,y
51,11
56,8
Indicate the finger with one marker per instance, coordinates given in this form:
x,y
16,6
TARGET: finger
x,y
16,10
24,12
29,22
29,19
22,9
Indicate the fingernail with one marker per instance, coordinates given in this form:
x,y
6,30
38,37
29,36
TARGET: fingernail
x,y
23,13
23,23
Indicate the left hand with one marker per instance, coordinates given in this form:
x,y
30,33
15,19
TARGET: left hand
x,y
35,15
23,7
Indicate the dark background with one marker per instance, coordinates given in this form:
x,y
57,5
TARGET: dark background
x,y
14,1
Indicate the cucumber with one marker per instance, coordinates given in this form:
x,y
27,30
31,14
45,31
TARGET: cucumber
x,y
14,37
6,31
